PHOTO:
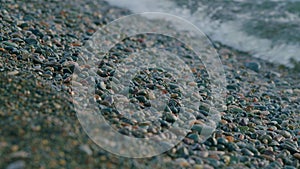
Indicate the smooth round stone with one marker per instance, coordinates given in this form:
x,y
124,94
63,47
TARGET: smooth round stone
x,y
141,99
174,109
247,152
138,134
173,86
255,66
164,123
197,128
286,134
244,159
221,147
10,44
291,147
204,107
252,135
265,139
253,150
261,108
268,157
243,129
182,152
274,165
214,162
226,159
232,87
205,113
274,143
31,41
230,138
194,137
202,154
214,141
235,109
170,117
211,142
244,121
297,156
278,138
124,131
86,149
142,92
222,140
20,164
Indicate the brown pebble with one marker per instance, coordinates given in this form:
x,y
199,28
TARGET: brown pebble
x,y
255,99
268,157
223,121
14,148
198,166
62,162
297,156
230,138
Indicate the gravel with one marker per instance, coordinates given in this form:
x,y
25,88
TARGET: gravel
x,y
40,44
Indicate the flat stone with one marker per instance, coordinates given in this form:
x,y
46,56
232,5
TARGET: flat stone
x,y
17,165
15,72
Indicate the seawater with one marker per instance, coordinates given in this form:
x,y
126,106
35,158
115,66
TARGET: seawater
x,y
267,29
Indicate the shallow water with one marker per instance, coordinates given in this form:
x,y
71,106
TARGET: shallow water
x,y
267,29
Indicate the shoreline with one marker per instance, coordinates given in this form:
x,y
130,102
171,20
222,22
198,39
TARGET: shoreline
x,y
39,128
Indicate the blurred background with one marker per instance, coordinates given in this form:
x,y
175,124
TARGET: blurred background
x,y
266,29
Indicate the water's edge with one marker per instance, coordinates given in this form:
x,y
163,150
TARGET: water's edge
x,y
229,32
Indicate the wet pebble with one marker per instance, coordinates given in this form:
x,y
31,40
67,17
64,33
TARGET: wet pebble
x,y
247,152
255,66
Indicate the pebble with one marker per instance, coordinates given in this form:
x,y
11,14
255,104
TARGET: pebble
x,y
289,146
232,147
31,41
268,157
86,149
257,119
286,134
192,84
297,155
194,137
226,159
182,162
197,128
170,117
203,154
247,152
182,152
13,73
230,138
17,165
20,154
255,66
265,139
151,95
222,140
10,44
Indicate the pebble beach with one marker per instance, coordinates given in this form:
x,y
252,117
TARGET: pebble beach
x,y
40,45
